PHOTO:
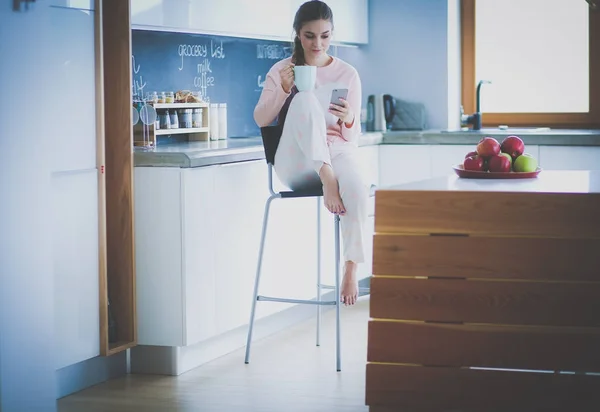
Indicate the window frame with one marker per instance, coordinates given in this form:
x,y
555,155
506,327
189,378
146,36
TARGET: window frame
x,y
591,119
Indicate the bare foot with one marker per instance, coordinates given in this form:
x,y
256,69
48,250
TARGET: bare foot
x,y
349,286
331,191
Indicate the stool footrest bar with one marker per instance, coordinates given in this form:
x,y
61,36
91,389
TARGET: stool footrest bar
x,y
299,301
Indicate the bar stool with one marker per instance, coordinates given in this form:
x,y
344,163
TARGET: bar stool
x,y
271,136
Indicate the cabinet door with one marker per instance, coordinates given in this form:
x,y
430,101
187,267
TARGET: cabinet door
x,y
445,157
241,17
76,289
289,263
158,256
569,157
351,19
74,80
175,14
239,196
403,163
199,288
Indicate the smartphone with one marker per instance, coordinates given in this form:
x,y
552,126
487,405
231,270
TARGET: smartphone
x,y
336,94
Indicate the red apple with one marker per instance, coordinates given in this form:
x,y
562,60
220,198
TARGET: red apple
x,y
473,163
513,145
499,163
488,147
471,154
510,159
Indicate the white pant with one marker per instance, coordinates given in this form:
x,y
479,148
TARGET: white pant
x,y
302,151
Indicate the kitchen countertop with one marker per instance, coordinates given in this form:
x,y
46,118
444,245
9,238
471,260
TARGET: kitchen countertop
x,y
198,154
551,137
548,181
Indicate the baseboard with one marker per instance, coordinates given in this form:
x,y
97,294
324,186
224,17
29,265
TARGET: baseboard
x,y
82,375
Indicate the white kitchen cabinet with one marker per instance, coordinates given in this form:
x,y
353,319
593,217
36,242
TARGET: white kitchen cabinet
x,y
289,263
444,157
76,291
74,77
351,20
400,164
569,157
158,248
239,195
241,18
199,208
161,13
175,278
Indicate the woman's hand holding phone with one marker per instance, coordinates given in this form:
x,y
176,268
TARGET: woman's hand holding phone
x,y
340,108
287,77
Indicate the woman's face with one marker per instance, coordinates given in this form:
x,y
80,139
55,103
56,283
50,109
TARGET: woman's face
x,y
315,37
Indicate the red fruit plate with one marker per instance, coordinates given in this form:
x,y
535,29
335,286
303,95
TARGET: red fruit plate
x,y
474,174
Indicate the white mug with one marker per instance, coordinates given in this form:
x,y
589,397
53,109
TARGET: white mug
x,y
305,77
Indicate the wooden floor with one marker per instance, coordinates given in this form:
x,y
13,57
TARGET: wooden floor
x,y
287,372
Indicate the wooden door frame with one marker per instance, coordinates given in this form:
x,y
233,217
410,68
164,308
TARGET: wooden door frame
x,y
115,173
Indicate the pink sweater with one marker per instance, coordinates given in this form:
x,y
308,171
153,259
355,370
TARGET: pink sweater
x,y
338,74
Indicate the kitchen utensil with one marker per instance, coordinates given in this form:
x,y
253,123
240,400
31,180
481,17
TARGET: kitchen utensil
x,y
305,77
148,117
375,113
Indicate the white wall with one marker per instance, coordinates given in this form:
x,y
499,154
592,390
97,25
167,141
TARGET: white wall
x,y
413,53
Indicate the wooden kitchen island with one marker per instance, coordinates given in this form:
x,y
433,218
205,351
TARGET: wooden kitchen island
x,y
485,295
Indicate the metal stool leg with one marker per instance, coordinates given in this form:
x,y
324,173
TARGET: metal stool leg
x,y
257,279
337,295
318,270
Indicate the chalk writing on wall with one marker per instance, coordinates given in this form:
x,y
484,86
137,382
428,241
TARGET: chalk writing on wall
x,y
221,69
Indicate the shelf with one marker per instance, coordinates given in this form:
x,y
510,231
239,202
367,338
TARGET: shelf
x,y
179,105
160,132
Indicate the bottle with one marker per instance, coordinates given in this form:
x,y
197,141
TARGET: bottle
x,y
174,119
165,119
197,117
214,121
223,121
185,118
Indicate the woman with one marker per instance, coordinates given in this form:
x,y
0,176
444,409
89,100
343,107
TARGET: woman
x,y
318,144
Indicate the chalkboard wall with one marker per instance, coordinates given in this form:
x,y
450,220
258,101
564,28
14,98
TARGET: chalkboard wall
x,y
223,69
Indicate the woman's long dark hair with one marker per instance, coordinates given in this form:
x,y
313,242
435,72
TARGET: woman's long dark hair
x,y
310,11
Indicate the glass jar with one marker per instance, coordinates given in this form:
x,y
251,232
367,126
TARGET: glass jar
x,y
174,119
169,97
197,117
185,118
161,97
164,119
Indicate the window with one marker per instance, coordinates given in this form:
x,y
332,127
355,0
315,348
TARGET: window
x,y
541,56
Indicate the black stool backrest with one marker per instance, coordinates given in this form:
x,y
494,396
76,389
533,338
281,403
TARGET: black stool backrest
x,y
272,134
270,137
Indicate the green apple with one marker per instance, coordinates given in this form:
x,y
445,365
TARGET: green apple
x,y
507,156
525,163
